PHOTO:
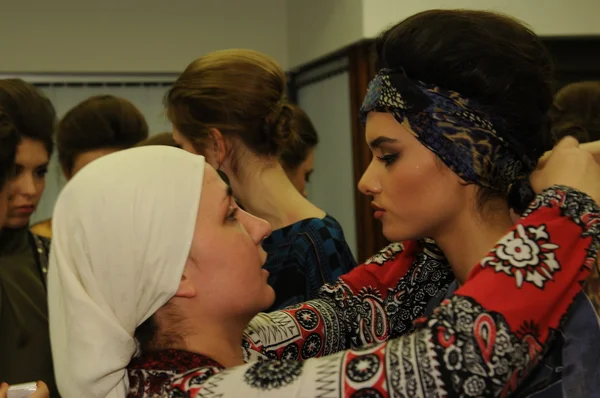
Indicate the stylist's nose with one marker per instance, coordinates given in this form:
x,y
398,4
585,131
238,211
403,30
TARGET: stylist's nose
x,y
258,228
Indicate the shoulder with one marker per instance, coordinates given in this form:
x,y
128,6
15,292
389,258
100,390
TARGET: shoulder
x,y
324,229
193,381
42,229
146,382
41,242
386,254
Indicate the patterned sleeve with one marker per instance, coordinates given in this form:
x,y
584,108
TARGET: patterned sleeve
x,y
375,301
484,341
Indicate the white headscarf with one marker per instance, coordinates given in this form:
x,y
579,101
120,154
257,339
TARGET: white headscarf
x,y
122,231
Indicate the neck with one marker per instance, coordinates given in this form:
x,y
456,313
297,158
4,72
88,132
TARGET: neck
x,y
469,238
219,341
265,191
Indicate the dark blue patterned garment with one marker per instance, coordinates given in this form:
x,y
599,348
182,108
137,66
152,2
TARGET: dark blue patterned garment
x,y
572,366
304,256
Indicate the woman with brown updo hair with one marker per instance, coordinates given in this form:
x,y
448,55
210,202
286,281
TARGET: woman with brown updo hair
x,y
230,106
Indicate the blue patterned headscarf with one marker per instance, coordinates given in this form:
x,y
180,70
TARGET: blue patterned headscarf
x,y
471,142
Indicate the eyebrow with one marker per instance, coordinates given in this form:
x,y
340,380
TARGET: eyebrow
x,y
379,141
228,194
40,166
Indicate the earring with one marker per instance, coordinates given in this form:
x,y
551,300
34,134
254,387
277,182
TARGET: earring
x,y
223,176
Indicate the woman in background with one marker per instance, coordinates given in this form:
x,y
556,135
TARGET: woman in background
x,y
96,127
298,158
230,106
576,111
24,335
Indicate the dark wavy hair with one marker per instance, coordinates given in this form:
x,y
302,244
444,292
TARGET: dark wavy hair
x,y
489,57
9,139
31,112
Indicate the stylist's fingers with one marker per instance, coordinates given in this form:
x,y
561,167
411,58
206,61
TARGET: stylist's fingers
x,y
570,166
41,391
566,143
3,390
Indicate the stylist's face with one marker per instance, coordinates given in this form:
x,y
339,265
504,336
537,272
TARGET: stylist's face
x,y
226,258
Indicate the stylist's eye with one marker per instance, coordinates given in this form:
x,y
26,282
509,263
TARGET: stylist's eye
x,y
231,214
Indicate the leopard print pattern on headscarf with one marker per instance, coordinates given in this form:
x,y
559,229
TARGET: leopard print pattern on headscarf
x,y
451,126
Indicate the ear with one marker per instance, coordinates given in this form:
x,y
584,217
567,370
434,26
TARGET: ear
x,y
219,146
186,288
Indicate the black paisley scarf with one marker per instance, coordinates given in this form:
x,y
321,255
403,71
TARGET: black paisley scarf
x,y
471,142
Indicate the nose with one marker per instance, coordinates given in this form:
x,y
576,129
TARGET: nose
x,y
368,183
23,185
257,228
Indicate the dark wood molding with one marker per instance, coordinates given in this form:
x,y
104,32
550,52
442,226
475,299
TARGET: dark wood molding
x,y
292,88
576,58
362,69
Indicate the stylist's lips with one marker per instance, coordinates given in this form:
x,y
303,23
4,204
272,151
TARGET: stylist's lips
x,y
377,211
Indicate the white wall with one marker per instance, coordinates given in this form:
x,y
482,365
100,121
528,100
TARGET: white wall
x,y
332,188
153,36
316,28
546,17
319,27
147,99
134,35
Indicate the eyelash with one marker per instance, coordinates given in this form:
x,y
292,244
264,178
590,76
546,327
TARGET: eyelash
x,y
231,215
41,172
388,159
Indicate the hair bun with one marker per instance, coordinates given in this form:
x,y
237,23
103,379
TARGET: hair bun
x,y
279,129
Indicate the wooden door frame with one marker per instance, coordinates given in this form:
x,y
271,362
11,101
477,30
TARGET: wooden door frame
x,y
361,69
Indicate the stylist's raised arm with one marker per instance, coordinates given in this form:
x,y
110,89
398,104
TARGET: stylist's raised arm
x,y
570,166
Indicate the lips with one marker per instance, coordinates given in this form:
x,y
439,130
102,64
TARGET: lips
x,y
27,209
378,211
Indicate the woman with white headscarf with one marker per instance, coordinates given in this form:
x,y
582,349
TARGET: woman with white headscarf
x,y
126,245
149,246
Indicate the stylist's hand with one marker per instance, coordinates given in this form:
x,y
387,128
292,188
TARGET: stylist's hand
x,y
570,166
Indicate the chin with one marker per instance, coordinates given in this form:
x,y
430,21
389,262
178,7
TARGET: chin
x,y
399,234
269,298
16,222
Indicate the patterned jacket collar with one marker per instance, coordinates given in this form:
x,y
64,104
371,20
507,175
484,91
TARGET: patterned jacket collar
x,y
176,361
